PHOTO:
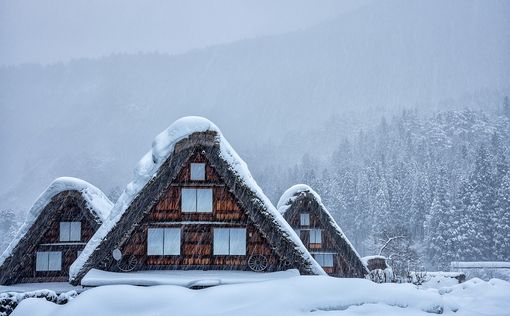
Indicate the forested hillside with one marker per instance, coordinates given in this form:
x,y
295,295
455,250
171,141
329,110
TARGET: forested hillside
x,y
438,187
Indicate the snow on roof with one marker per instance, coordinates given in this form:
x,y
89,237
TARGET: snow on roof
x,y
148,167
98,203
186,278
290,195
368,258
480,264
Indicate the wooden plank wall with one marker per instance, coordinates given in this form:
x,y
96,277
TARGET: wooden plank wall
x,y
340,266
197,239
70,211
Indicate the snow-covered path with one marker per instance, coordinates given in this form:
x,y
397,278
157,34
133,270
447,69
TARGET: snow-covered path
x,y
294,296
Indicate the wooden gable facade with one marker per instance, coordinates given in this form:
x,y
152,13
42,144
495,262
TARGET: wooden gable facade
x,y
223,226
196,230
53,242
321,235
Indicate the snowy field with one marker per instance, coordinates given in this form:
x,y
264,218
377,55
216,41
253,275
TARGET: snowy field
x,y
301,295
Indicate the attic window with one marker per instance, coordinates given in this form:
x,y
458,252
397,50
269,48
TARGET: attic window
x,y
196,200
70,231
305,219
198,171
48,261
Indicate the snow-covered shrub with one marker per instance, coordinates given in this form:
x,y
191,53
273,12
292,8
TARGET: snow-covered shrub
x,y
9,300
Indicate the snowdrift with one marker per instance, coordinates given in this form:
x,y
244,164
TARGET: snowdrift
x,y
293,296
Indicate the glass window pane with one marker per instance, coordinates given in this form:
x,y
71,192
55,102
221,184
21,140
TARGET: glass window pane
x,y
305,219
54,261
172,242
204,200
41,261
315,236
189,200
75,234
65,228
238,241
221,241
155,241
198,171
328,260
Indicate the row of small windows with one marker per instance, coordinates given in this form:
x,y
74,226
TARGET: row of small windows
x,y
167,241
49,260
315,235
196,200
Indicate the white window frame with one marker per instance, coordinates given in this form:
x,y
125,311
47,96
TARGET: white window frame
x,y
304,219
325,260
197,171
315,236
70,231
170,246
196,206
233,247
44,263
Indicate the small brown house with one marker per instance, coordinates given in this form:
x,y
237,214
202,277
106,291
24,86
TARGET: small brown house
x,y
193,206
58,226
304,211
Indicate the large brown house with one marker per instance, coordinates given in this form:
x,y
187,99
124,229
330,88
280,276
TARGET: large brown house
x,y
302,208
193,206
58,226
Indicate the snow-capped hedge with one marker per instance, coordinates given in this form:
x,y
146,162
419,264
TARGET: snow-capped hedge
x,y
9,300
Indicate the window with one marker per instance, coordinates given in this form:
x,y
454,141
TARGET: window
x,y
315,236
305,219
70,231
48,261
324,259
196,200
198,171
230,241
298,232
78,253
163,241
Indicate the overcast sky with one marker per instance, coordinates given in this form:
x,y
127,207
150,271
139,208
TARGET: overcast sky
x,y
59,30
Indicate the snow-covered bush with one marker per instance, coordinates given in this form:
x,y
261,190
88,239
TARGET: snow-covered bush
x,y
9,300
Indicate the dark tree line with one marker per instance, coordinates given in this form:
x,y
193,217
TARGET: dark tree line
x,y
437,188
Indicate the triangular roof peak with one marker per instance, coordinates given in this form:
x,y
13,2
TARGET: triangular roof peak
x,y
96,202
299,195
292,193
161,165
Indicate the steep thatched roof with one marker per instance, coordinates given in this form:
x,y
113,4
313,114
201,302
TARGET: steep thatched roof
x,y
94,204
160,167
301,197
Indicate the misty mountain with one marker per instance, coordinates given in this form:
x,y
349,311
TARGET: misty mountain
x,y
275,98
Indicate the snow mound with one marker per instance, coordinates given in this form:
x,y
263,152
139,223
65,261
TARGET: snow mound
x,y
186,278
97,201
296,296
148,167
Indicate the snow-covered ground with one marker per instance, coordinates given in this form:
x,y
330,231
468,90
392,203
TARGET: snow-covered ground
x,y
292,296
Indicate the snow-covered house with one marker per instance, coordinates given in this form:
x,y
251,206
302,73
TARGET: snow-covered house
x,y
193,205
302,208
59,224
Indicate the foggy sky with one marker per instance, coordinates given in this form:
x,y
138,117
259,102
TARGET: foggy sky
x,y
59,30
